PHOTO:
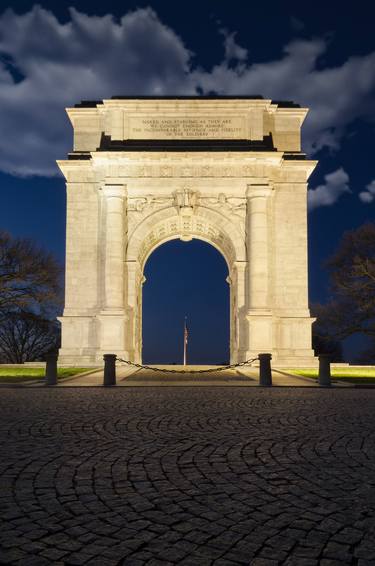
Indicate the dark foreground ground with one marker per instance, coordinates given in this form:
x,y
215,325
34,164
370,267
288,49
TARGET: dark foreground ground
x,y
193,476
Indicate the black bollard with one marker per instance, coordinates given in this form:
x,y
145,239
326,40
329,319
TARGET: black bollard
x,y
324,370
109,370
51,368
265,374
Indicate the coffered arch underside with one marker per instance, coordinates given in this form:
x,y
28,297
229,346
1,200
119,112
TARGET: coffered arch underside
x,y
207,225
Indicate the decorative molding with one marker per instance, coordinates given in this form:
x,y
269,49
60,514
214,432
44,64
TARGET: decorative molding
x,y
229,204
114,191
186,228
186,200
189,169
258,190
150,202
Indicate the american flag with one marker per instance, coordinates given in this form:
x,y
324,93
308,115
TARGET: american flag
x,y
186,334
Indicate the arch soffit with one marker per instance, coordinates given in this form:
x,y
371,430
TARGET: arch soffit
x,y
166,224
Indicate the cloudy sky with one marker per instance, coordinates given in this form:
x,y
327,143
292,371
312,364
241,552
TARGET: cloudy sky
x,y
53,55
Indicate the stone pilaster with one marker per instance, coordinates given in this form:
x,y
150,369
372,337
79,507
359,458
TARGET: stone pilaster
x,y
114,223
78,326
111,319
259,313
239,321
134,282
257,240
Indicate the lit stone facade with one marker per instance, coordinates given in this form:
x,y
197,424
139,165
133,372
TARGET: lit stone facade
x,y
228,171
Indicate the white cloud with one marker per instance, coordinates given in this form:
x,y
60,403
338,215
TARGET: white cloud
x,y
92,57
233,51
87,58
335,185
336,96
368,195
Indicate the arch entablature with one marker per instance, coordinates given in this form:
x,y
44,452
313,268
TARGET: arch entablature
x,y
166,225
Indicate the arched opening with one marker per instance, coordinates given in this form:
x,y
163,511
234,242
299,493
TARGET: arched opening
x,y
185,279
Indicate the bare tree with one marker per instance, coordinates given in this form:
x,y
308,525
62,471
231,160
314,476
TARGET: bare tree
x,y
26,337
29,276
29,300
351,309
322,343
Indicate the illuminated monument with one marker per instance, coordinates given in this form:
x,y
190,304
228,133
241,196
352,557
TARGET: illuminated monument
x,y
226,170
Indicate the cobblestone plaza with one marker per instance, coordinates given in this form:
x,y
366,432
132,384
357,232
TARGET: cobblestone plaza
x,y
193,476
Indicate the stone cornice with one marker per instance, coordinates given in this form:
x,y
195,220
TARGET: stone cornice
x,y
201,166
267,156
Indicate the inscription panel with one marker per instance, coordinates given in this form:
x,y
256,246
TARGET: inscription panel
x,y
185,127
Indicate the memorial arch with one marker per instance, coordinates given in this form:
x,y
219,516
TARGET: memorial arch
x,y
228,171
210,226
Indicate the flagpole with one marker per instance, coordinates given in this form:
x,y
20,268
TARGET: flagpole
x,y
185,341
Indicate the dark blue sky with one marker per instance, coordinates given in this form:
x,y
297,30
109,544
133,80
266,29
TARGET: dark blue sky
x,y
204,300
321,55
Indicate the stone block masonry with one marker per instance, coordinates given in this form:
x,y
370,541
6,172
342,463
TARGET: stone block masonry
x,y
228,171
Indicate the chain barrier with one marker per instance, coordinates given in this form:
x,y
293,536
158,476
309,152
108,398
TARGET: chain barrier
x,y
163,370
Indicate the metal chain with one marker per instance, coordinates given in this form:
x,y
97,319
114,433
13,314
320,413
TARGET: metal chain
x,y
221,368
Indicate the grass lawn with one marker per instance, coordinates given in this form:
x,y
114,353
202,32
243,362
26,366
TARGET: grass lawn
x,y
17,375
351,375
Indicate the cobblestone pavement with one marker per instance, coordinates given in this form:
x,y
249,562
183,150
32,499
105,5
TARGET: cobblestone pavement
x,y
192,476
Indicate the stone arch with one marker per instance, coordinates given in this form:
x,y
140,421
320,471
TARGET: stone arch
x,y
164,225
207,225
